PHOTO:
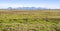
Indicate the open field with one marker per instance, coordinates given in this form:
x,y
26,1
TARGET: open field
x,y
29,20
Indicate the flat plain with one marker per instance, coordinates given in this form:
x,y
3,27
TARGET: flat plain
x,y
30,20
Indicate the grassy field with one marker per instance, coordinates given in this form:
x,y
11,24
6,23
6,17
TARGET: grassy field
x,y
28,20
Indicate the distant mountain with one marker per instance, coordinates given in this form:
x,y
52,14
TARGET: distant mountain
x,y
9,8
26,8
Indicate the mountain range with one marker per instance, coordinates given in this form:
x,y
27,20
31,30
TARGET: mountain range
x,y
26,8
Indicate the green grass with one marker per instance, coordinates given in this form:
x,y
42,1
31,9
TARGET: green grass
x,y
30,20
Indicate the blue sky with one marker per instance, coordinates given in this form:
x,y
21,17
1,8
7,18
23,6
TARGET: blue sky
x,y
53,4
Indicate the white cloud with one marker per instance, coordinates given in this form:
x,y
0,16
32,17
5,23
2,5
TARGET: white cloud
x,y
51,6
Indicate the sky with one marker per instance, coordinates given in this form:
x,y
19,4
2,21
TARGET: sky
x,y
52,4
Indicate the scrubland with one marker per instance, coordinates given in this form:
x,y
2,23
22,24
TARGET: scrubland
x,y
29,20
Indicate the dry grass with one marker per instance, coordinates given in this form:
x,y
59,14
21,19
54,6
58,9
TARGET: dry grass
x,y
28,20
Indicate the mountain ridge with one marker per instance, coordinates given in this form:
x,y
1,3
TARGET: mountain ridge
x,y
26,8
